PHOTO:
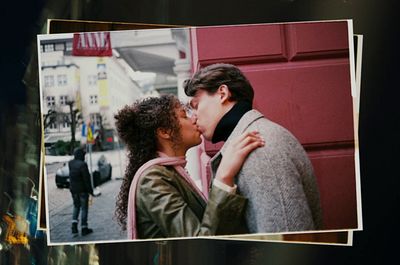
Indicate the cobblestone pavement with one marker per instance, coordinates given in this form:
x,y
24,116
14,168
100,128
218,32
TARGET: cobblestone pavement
x,y
101,211
100,218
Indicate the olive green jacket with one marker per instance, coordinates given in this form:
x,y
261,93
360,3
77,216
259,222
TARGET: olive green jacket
x,y
167,206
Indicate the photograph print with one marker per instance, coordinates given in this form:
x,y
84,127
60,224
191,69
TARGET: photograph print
x,y
199,132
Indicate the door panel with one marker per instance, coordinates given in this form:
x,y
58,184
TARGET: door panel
x,y
263,43
304,99
335,171
312,40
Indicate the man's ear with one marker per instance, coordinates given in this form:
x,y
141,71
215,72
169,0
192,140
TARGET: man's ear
x,y
163,133
224,93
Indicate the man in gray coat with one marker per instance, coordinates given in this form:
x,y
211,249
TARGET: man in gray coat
x,y
277,179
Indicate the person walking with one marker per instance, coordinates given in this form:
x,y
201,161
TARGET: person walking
x,y
81,188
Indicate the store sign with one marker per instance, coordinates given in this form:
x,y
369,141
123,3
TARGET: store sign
x,y
92,44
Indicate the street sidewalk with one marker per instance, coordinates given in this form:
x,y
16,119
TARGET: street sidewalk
x,y
100,218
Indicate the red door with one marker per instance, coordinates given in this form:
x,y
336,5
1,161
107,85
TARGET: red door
x,y
301,76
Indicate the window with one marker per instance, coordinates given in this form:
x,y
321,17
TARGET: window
x,y
69,46
92,79
50,101
62,80
65,121
63,100
48,81
93,99
96,119
59,46
53,125
49,47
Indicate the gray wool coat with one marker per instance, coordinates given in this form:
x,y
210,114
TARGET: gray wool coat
x,y
277,179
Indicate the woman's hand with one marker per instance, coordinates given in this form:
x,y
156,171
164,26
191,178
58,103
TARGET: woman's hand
x,y
235,154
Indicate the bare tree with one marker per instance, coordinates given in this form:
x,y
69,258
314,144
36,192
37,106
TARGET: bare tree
x,y
74,117
49,118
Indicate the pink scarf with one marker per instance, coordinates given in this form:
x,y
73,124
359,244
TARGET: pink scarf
x,y
178,163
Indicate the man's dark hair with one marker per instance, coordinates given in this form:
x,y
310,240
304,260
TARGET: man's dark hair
x,y
210,78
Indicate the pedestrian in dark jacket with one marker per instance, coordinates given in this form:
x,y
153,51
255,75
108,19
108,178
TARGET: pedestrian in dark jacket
x,y
81,189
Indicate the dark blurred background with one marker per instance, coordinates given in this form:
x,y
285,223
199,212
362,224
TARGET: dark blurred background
x,y
379,119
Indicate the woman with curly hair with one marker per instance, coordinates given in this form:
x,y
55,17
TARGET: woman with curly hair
x,y
157,197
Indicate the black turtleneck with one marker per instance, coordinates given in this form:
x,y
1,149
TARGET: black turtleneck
x,y
229,120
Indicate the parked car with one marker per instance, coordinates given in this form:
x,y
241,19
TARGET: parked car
x,y
102,172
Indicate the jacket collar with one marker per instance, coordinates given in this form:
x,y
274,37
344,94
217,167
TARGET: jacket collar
x,y
247,119
229,121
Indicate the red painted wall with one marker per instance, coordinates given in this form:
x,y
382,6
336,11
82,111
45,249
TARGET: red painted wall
x,y
301,76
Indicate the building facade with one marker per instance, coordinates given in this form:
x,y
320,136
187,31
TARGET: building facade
x,y
91,89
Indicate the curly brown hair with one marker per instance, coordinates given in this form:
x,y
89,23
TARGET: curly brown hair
x,y
137,126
